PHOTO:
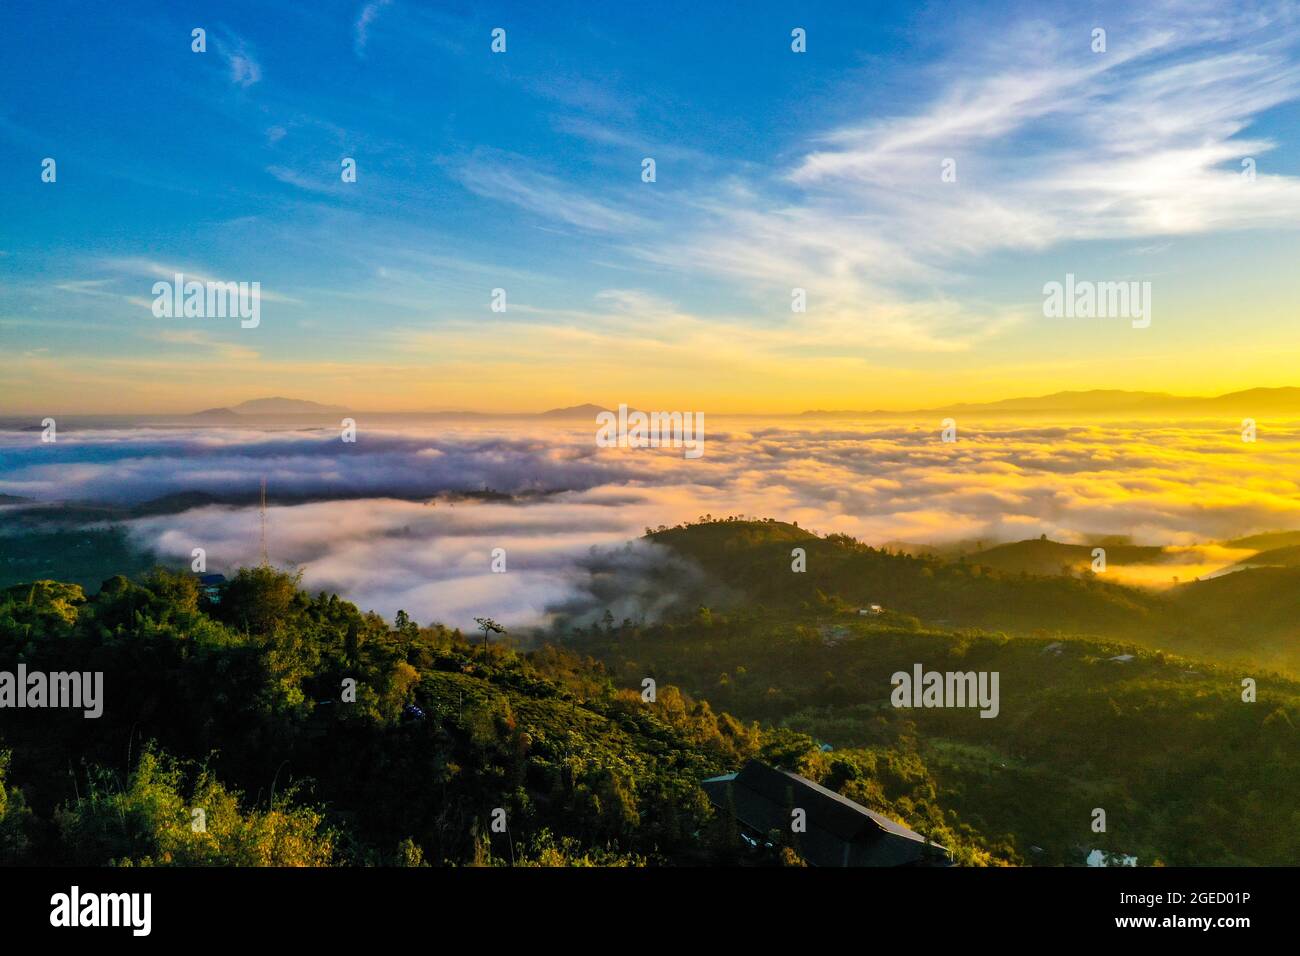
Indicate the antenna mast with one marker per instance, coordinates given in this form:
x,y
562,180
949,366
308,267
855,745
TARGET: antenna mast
x,y
262,514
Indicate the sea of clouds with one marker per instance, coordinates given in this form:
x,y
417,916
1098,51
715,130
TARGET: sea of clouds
x,y
374,521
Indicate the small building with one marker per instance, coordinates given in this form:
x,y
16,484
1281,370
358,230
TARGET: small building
x,y
1121,658
838,831
1104,858
871,610
211,586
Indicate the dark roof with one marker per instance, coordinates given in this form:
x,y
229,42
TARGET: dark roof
x,y
839,831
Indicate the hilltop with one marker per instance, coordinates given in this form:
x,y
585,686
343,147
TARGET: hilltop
x,y
1022,588
1266,541
1043,556
754,558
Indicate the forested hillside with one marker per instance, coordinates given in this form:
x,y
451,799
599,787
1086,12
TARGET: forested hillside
x,y
1188,771
240,709
310,733
1246,618
754,558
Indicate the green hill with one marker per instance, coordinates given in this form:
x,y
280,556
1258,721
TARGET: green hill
x,y
1044,557
1283,557
243,708
1075,729
1265,541
1244,618
1248,615
755,559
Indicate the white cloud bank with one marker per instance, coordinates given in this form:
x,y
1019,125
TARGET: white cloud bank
x,y
1161,484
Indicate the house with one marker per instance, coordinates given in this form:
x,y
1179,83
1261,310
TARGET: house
x,y
838,831
1121,658
1104,858
871,610
211,586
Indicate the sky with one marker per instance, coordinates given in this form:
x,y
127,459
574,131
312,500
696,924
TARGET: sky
x,y
522,170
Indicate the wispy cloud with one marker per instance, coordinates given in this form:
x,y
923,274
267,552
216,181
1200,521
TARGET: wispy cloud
x,y
136,265
511,179
244,69
291,177
88,287
361,29
1053,145
1143,140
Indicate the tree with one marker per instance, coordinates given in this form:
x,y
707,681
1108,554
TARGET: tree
x,y
487,625
258,598
405,627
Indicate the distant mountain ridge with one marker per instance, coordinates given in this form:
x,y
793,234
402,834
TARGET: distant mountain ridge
x,y
586,410
1251,402
297,406
269,406
284,406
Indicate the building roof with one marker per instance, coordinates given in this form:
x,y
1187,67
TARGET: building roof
x,y
839,831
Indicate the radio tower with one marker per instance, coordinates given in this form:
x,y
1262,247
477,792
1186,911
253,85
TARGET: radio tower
x,y
262,513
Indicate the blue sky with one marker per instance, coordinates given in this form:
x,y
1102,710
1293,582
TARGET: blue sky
x,y
522,171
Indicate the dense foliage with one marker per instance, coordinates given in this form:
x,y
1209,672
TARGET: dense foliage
x,y
1188,772
308,732
244,709
1248,617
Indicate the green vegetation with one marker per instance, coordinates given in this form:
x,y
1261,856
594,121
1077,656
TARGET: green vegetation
x,y
1246,619
82,556
242,709
1287,557
753,558
1044,557
310,733
1188,772
1249,616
